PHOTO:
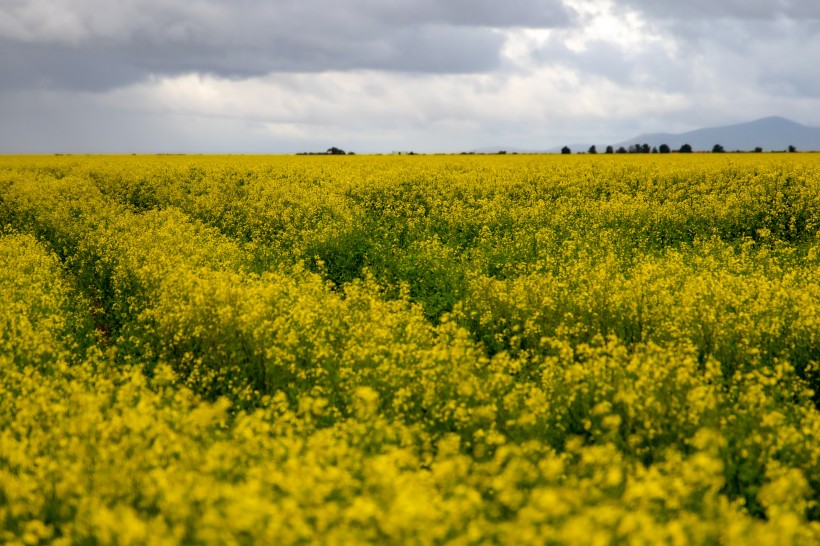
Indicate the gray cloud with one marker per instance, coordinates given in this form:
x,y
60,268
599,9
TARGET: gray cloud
x,y
98,45
705,48
776,57
734,9
376,75
651,68
32,66
735,24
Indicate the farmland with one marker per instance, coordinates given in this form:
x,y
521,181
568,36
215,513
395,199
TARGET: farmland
x,y
422,350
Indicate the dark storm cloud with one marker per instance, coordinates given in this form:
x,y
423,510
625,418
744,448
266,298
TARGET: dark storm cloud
x,y
97,45
29,66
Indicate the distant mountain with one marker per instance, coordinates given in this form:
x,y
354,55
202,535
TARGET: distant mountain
x,y
772,133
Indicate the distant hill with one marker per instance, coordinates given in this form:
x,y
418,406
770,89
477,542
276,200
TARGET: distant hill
x,y
772,133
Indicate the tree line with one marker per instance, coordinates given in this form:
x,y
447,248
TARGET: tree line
x,y
662,149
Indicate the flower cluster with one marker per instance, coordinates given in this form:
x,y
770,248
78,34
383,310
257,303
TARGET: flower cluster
x,y
426,350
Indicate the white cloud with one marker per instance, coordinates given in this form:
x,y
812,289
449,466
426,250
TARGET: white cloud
x,y
533,109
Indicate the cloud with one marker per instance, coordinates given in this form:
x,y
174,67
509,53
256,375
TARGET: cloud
x,y
736,24
730,9
368,111
376,75
59,43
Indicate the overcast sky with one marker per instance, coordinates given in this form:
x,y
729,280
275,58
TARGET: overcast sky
x,y
280,76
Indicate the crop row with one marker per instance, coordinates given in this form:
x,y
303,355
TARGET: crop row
x,y
181,368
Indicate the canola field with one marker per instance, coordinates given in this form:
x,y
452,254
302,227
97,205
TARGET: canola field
x,y
410,350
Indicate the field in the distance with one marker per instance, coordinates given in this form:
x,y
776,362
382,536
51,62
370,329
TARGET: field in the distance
x,y
410,350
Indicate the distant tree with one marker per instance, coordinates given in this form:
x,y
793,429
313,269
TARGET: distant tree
x,y
335,151
758,150
565,150
610,150
664,149
645,148
621,150
792,149
635,149
502,152
654,150
685,149
593,149
717,149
